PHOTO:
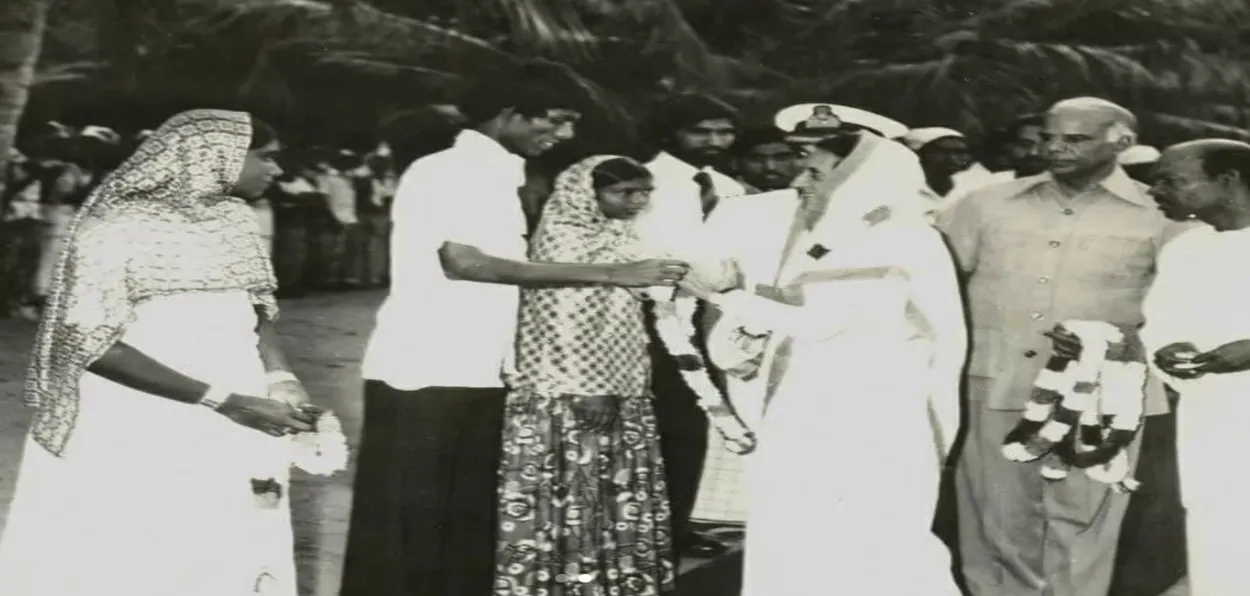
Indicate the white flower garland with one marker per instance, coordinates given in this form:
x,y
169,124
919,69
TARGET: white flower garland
x,y
674,323
1063,423
323,451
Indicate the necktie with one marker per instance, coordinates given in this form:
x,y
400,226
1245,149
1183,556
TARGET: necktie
x,y
707,192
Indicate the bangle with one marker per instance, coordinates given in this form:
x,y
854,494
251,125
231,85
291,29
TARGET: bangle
x,y
214,398
280,376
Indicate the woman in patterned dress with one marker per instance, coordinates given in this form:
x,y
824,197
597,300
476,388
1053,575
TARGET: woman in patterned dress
x,y
161,305
583,506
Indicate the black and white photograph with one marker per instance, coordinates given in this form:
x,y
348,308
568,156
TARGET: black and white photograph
x,y
624,297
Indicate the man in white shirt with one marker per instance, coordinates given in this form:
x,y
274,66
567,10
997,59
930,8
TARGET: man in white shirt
x,y
693,134
423,519
338,221
950,171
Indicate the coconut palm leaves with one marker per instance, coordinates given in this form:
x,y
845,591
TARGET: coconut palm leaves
x,y
974,66
967,63
22,25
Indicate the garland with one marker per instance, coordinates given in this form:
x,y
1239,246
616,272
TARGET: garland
x,y
1083,413
322,451
677,333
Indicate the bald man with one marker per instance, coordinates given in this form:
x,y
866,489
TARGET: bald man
x,y
1198,333
1076,242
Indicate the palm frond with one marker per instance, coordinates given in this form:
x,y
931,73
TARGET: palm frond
x,y
549,28
1166,129
368,64
64,73
314,21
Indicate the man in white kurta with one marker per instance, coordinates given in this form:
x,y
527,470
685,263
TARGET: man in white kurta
x,y
1198,331
855,310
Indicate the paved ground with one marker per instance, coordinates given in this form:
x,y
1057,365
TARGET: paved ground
x,y
325,338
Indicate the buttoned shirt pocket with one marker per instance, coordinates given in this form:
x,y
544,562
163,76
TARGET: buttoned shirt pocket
x,y
1119,259
1009,246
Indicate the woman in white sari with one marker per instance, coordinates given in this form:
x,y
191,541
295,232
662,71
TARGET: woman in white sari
x,y
848,311
156,464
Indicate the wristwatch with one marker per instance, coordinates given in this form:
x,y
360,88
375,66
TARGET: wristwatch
x,y
214,398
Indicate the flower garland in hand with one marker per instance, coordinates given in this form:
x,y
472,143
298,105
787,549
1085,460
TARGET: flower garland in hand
x,y
321,451
677,334
1083,413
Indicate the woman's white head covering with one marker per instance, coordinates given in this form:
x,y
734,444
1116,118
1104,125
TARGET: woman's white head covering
x,y
879,175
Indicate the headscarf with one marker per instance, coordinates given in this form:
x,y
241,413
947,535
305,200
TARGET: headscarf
x,y
161,224
588,340
879,175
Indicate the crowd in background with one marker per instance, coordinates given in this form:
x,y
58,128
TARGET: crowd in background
x,y
327,219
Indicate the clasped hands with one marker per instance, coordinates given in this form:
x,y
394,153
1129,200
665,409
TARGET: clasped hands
x,y
700,281
285,411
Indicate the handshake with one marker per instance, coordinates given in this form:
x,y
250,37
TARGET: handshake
x,y
700,281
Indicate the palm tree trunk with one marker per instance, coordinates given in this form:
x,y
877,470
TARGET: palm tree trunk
x,y
22,23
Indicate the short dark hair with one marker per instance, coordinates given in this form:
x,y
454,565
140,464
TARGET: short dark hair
x,y
262,134
1012,132
841,144
753,137
531,90
1226,157
416,133
682,110
617,170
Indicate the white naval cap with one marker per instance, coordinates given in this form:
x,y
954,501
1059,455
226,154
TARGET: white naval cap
x,y
1139,155
919,137
816,116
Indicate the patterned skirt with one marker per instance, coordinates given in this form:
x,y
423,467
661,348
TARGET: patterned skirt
x,y
583,512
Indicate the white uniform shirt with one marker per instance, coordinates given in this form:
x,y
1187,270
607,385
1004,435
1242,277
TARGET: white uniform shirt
x,y
340,196
433,331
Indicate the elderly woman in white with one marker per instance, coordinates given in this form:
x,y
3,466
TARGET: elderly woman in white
x,y
847,311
